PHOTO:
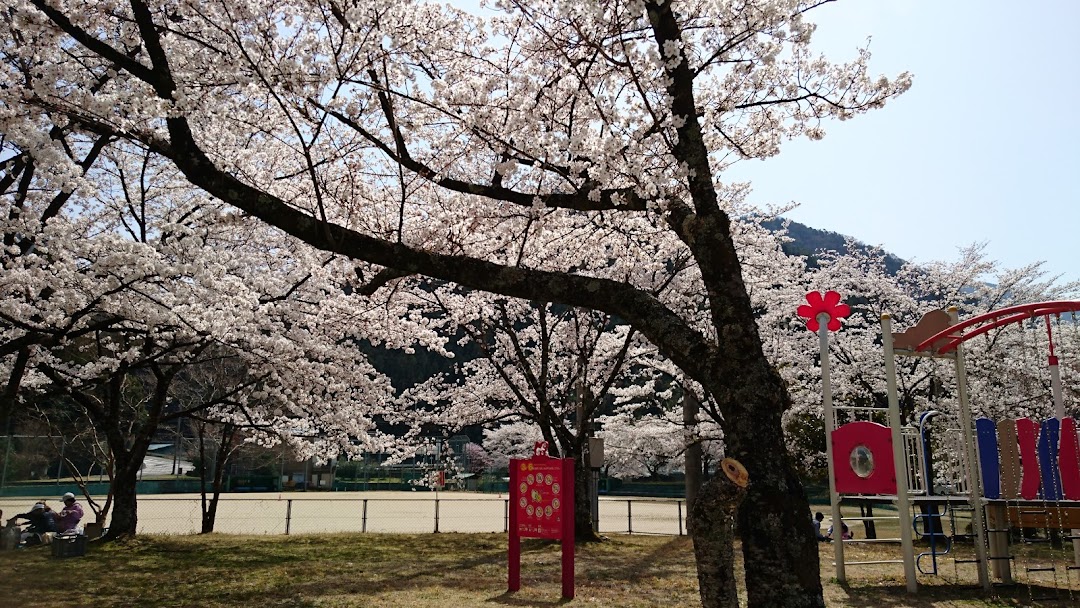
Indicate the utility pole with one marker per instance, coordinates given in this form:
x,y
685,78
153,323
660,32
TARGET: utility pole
x,y
692,452
176,448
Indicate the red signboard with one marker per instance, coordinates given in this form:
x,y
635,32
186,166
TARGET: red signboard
x,y
542,506
539,497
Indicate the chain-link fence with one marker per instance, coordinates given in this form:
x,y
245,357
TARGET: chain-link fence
x,y
397,512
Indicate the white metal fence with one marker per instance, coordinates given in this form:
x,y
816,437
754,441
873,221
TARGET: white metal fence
x,y
397,512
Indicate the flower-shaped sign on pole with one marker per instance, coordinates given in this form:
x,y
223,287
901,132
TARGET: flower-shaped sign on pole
x,y
828,304
827,309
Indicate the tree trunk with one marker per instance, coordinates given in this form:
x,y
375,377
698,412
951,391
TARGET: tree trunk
x,y
712,526
217,483
125,517
583,528
209,515
780,552
866,509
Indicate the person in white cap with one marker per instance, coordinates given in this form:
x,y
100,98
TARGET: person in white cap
x,y
69,517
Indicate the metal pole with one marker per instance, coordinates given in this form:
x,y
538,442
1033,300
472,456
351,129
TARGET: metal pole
x,y
506,515
974,483
1055,375
1059,413
363,518
436,512
7,456
692,455
629,518
830,426
176,447
903,503
595,490
288,516
60,465
679,502
513,575
1055,386
281,479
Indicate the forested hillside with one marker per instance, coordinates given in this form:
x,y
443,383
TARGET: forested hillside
x,y
809,241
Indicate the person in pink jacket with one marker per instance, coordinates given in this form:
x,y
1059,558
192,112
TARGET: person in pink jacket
x,y
68,518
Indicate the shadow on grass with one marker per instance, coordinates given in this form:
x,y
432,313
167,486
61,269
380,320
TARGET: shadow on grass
x,y
930,596
609,563
348,570
509,599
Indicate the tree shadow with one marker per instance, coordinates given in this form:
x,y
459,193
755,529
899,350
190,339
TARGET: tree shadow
x,y
604,563
509,598
932,596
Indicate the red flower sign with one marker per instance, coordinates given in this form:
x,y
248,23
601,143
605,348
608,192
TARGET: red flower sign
x,y
828,304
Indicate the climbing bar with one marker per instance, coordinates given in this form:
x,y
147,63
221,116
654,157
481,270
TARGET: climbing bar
x,y
867,408
1059,516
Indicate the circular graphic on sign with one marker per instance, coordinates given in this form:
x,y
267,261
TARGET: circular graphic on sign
x,y
523,502
529,509
862,461
548,479
555,488
530,479
555,503
524,488
547,511
536,496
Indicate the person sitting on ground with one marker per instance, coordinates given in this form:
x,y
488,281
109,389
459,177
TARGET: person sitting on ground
x,y
845,532
818,517
42,520
67,520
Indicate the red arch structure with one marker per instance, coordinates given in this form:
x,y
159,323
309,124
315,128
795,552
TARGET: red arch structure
x,y
948,339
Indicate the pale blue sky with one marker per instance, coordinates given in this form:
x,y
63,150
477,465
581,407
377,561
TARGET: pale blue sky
x,y
984,147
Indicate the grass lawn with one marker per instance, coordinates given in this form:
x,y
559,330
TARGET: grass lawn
x,y
412,570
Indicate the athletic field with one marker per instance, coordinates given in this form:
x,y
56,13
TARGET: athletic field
x,y
397,512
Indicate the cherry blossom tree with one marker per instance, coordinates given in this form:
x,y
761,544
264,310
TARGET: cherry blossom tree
x,y
555,367
477,458
505,153
638,446
564,369
126,286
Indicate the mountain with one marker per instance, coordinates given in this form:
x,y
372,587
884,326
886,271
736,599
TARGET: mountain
x,y
809,242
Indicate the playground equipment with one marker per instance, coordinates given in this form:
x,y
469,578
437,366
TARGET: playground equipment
x,y
1011,475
